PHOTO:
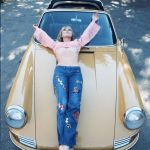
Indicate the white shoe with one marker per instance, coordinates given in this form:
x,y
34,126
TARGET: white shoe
x,y
65,147
61,147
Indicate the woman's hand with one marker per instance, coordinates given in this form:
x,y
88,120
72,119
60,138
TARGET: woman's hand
x,y
35,26
95,16
37,33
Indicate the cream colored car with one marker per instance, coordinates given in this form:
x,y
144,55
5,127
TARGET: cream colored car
x,y
111,107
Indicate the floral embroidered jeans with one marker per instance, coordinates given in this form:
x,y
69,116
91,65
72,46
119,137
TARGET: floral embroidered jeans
x,y
67,82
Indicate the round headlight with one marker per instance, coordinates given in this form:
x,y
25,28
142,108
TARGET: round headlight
x,y
15,116
134,118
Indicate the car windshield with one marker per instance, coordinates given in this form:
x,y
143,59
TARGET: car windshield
x,y
52,22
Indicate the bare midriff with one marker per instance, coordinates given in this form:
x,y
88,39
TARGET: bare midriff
x,y
67,56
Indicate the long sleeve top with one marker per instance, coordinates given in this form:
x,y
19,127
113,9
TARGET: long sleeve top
x,y
67,52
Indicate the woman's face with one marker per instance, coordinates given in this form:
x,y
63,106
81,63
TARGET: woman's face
x,y
66,32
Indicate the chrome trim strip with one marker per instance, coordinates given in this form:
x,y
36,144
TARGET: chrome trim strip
x,y
14,142
120,143
16,107
125,141
133,109
112,22
136,139
27,141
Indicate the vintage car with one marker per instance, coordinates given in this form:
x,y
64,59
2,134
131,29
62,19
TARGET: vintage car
x,y
111,107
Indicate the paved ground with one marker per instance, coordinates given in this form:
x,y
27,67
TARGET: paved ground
x,y
131,19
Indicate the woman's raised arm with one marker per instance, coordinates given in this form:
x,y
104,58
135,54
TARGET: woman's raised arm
x,y
90,31
43,38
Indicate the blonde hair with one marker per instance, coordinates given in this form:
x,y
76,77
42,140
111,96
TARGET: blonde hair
x,y
59,37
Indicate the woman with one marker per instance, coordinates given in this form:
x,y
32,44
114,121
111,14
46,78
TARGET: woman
x,y
67,79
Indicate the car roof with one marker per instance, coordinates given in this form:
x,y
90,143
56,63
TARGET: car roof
x,y
95,4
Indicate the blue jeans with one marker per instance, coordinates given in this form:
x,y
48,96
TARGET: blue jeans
x,y
67,82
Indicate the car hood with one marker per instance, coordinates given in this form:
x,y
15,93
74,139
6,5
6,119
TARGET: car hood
x,y
97,117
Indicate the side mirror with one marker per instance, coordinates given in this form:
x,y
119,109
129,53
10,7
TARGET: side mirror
x,y
40,11
122,41
106,9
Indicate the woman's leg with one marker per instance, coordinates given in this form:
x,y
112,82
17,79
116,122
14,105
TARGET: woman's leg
x,y
73,108
61,91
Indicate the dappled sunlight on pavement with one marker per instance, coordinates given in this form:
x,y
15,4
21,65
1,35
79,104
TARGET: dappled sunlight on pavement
x,y
144,84
16,52
17,18
131,20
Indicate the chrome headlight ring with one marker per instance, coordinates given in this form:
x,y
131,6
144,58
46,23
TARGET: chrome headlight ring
x,y
134,118
15,116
